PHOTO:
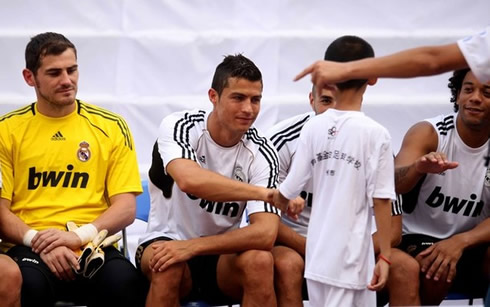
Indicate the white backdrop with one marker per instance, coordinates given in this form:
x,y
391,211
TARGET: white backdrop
x,y
144,59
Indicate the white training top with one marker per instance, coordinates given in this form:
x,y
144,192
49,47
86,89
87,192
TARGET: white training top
x,y
458,199
285,135
476,51
180,216
349,158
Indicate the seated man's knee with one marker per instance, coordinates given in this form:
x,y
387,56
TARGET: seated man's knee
x,y
405,268
403,282
11,281
171,284
169,280
255,262
170,274
256,273
174,279
12,277
288,263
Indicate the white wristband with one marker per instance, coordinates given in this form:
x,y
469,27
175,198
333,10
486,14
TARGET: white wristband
x,y
28,236
86,233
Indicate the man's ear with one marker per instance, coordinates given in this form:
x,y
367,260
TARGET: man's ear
x,y
372,81
29,77
457,97
312,99
213,96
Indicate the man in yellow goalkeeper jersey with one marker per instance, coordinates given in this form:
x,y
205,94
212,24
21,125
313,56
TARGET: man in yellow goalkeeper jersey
x,y
65,160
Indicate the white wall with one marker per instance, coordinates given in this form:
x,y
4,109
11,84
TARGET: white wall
x,y
144,59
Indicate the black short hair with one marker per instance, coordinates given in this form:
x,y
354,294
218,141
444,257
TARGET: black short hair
x,y
455,84
234,66
43,44
349,48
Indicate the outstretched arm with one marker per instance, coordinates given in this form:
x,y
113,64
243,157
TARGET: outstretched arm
x,y
422,61
418,156
200,182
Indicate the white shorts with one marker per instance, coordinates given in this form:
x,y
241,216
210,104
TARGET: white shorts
x,y
323,295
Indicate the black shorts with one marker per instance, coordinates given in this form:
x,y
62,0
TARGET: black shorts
x,y
203,273
103,289
470,278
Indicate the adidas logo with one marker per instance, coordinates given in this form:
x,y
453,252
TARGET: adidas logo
x,y
58,137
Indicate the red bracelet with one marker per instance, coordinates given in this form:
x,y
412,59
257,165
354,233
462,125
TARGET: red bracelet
x,y
384,258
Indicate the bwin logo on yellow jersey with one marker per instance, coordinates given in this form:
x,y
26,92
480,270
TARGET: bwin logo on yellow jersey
x,y
67,179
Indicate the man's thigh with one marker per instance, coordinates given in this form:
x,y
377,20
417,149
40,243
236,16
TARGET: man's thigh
x,y
144,253
40,282
204,274
469,270
413,244
470,273
117,269
117,283
27,260
198,280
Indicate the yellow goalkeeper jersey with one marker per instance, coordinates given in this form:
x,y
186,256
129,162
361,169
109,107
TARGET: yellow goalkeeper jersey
x,y
64,169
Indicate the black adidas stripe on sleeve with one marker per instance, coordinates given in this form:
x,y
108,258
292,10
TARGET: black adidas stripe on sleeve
x,y
289,133
271,157
396,205
445,125
181,133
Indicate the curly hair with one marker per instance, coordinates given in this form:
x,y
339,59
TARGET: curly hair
x,y
455,84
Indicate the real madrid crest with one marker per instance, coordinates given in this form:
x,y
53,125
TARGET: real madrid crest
x,y
487,178
83,152
238,174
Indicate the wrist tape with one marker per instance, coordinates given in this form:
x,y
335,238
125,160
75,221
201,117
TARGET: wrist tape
x,y
28,236
86,233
